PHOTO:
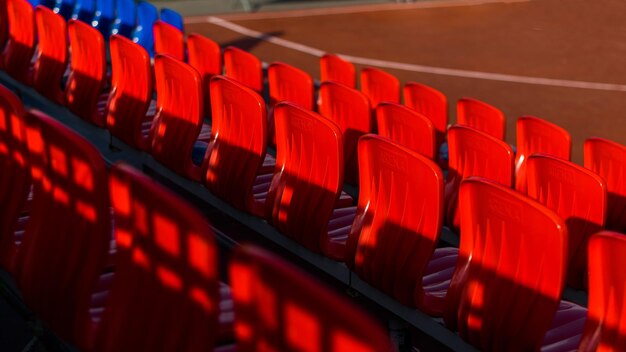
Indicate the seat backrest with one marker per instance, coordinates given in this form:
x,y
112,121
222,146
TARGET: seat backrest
x,y
243,67
474,153
125,18
605,328
169,40
288,83
481,116
350,110
578,196
535,135
104,16
51,54
280,308
172,18
406,127
510,272
398,220
334,68
147,15
22,37
167,258
379,86
87,77
431,103
131,91
65,8
178,120
84,10
309,176
15,176
68,235
4,23
205,56
608,159
238,143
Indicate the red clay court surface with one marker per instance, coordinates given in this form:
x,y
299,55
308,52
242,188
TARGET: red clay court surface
x,y
564,61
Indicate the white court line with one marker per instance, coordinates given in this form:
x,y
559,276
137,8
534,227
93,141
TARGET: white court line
x,y
418,68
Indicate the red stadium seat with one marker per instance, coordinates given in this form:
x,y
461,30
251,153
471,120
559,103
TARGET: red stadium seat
x,y
66,244
334,68
379,86
578,196
481,116
535,135
474,153
308,180
84,90
350,110
407,127
51,54
4,23
510,271
288,83
280,308
178,121
205,56
164,295
608,159
169,40
243,67
430,103
238,144
20,47
131,92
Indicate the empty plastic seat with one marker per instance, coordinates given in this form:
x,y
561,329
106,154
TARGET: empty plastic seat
x,y
535,135
243,67
172,18
205,56
474,153
608,159
481,116
304,315
169,40
147,15
20,47
125,18
178,120
379,86
578,196
84,10
511,271
104,17
407,127
167,258
334,68
430,103
238,143
131,92
51,53
350,110
64,8
85,85
288,83
67,239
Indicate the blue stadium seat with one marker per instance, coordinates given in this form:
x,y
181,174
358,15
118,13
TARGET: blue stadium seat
x,y
104,16
173,18
65,8
46,3
126,17
147,15
84,10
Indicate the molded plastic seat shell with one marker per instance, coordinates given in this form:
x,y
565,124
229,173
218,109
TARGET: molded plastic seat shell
x,y
4,23
431,103
288,83
20,47
125,18
84,10
172,18
243,67
169,40
65,8
379,86
334,68
481,116
147,15
407,127
51,54
104,17
205,56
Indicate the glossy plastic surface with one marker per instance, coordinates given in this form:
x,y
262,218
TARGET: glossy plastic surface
x,y
578,196
20,47
350,110
431,103
67,239
379,86
125,18
474,153
84,10
169,40
238,143
309,175
172,18
51,54
280,308
104,17
131,91
178,120
608,159
407,127
511,268
147,15
167,258
535,135
288,83
243,67
398,219
205,56
481,116
87,77
334,68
